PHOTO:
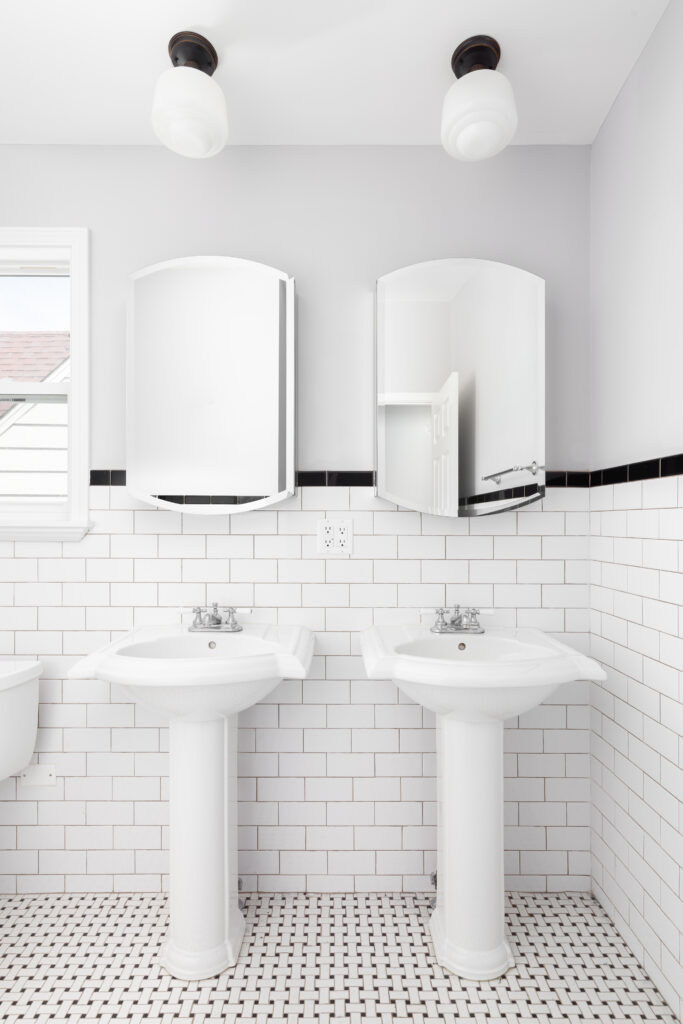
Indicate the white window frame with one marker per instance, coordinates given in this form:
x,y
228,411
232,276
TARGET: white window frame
x,y
58,520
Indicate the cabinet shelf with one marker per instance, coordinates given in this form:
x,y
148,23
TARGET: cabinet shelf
x,y
406,398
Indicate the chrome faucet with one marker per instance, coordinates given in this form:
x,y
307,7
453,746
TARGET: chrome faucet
x,y
461,620
212,620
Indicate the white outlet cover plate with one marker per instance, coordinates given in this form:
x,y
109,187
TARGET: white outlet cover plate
x,y
335,537
38,775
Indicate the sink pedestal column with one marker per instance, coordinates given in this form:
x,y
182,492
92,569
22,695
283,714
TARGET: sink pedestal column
x,y
468,923
206,923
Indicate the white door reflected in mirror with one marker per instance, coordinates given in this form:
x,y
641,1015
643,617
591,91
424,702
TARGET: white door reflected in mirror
x,y
460,387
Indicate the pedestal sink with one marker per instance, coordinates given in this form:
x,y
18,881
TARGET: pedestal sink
x,y
473,683
199,682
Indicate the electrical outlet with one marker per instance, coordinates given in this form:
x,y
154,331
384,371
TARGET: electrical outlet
x,y
342,536
326,537
335,536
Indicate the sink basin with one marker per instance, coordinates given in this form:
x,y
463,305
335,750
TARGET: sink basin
x,y
199,682
201,675
494,675
473,682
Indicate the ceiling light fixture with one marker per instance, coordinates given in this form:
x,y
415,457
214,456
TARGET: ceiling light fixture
x,y
479,116
188,111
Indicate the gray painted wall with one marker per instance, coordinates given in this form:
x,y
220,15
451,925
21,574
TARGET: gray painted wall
x,y
335,218
636,362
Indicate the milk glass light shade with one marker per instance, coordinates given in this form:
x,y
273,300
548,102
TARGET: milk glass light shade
x,y
479,116
189,114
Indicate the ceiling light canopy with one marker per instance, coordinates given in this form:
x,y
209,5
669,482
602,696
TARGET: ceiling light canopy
x,y
479,116
188,111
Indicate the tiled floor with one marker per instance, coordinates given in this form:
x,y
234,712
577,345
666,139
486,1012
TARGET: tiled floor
x,y
365,959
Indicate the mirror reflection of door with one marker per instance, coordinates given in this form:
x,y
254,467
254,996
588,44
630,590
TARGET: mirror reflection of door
x,y
445,447
461,387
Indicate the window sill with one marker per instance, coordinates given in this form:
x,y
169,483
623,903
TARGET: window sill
x,y
44,531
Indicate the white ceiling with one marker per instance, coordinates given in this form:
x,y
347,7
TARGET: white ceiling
x,y
326,72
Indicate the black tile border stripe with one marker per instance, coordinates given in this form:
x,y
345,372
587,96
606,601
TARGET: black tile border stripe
x,y
102,477
576,479
335,478
304,478
648,469
311,478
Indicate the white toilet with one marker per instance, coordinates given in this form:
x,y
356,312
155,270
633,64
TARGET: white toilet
x,y
18,714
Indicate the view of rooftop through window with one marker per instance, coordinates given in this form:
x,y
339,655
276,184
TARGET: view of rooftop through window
x,y
34,347
34,325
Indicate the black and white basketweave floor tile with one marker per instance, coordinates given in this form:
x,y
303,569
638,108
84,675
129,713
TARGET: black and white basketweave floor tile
x,y
333,959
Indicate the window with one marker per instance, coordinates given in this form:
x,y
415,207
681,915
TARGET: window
x,y
43,383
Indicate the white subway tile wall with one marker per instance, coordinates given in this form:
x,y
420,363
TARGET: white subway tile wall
x,y
336,772
637,720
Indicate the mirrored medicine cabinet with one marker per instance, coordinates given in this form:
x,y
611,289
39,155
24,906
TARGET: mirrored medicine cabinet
x,y
210,382
460,371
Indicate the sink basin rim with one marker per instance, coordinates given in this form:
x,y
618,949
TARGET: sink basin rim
x,y
290,656
14,671
383,658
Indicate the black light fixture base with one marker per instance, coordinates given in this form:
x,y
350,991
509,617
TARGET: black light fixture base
x,y
190,50
475,53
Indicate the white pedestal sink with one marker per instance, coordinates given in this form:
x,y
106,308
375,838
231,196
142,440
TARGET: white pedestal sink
x,y
473,683
200,681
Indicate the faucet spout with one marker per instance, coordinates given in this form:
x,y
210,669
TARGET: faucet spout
x,y
212,620
462,620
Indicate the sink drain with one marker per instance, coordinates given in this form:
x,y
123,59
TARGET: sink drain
x,y
212,644
462,647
